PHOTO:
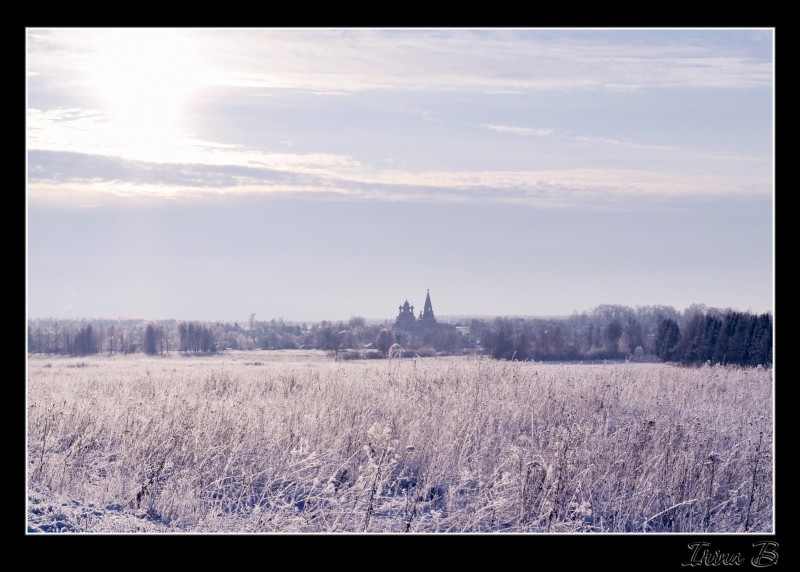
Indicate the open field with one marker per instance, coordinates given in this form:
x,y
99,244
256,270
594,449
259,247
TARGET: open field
x,y
277,442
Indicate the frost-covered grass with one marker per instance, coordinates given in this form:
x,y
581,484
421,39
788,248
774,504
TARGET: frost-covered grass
x,y
271,442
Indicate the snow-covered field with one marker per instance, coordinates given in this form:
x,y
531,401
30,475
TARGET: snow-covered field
x,y
65,513
275,442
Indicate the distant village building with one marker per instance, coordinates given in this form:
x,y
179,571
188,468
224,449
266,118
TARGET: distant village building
x,y
405,319
408,322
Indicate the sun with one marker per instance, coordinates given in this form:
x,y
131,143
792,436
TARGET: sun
x,y
143,78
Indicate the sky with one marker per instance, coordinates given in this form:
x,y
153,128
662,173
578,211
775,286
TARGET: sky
x,y
322,173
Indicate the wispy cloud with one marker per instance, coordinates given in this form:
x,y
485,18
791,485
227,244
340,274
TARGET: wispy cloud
x,y
608,141
80,175
351,60
546,132
524,131
76,142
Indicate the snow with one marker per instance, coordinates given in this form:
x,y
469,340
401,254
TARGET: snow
x,y
48,513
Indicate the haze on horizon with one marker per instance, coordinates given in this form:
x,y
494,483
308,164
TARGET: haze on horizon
x,y
322,173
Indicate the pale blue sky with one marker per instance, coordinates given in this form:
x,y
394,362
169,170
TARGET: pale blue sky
x,y
317,173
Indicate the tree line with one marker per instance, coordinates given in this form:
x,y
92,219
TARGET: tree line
x,y
735,338
607,331
697,335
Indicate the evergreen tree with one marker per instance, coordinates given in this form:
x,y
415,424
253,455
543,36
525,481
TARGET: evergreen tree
x,y
739,343
686,350
667,339
708,341
150,340
760,350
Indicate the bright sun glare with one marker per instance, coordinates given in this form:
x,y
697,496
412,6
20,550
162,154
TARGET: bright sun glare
x,y
144,78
